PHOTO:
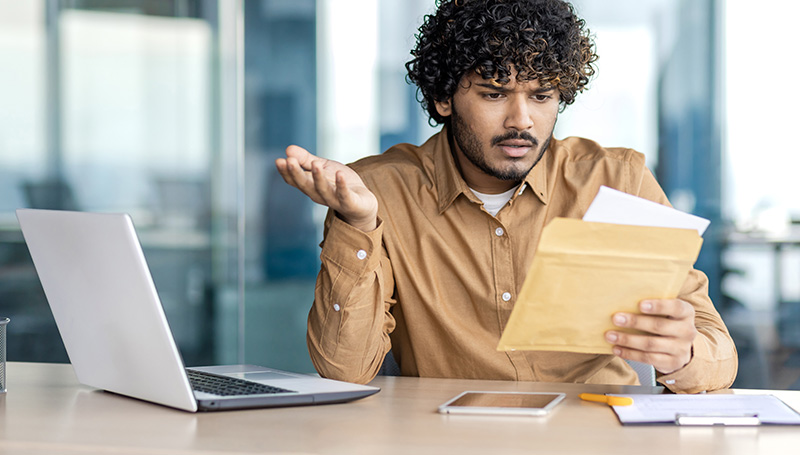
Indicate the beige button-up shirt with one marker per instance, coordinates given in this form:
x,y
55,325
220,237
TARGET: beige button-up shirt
x,y
436,281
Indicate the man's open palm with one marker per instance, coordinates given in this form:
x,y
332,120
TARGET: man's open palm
x,y
332,184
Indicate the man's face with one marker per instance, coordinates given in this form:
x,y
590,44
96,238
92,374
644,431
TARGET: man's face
x,y
500,132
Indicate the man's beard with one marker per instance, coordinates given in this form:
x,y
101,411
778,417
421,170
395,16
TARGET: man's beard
x,y
471,147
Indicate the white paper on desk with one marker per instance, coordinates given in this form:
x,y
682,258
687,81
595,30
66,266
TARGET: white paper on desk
x,y
612,206
665,408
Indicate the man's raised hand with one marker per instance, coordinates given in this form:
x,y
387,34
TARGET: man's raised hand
x,y
332,184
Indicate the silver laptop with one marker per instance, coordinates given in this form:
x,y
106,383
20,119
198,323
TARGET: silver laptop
x,y
113,326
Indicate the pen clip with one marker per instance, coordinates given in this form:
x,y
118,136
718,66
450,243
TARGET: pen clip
x,y
746,419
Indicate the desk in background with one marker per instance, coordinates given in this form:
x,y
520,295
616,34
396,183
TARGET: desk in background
x,y
777,244
752,326
46,411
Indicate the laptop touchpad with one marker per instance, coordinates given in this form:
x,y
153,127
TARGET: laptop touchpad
x,y
267,376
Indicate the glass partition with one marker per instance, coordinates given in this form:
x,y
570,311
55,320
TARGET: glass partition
x,y
760,192
118,107
175,110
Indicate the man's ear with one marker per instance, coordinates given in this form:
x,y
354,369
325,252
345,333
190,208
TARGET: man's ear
x,y
445,108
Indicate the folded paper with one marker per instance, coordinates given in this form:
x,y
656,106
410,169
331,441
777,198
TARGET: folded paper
x,y
613,206
584,272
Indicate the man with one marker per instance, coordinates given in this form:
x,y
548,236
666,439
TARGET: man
x,y
426,248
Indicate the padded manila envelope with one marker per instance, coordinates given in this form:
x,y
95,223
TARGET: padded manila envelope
x,y
584,272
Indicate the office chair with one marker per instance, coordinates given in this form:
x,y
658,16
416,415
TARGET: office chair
x,y
389,366
646,373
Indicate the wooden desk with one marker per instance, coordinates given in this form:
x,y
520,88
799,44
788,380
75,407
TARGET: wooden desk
x,y
47,412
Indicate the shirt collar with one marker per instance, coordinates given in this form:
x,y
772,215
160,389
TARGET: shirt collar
x,y
450,184
537,177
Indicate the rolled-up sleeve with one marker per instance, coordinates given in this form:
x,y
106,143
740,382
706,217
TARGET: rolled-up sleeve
x,y
350,320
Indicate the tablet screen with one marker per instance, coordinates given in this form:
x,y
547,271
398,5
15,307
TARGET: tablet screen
x,y
532,403
505,400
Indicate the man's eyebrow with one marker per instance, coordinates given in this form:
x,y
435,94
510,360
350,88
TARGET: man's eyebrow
x,y
503,88
489,85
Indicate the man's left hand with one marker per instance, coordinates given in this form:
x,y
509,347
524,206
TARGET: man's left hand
x,y
669,332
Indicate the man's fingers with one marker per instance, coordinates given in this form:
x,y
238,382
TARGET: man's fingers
x,y
298,176
323,186
639,342
666,331
671,308
331,184
304,157
665,354
664,363
657,325
295,175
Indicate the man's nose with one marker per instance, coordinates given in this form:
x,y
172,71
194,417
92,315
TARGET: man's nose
x,y
519,114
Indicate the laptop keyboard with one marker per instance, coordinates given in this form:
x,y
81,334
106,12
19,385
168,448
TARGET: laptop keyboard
x,y
227,386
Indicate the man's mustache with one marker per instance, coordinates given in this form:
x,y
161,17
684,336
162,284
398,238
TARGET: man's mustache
x,y
524,135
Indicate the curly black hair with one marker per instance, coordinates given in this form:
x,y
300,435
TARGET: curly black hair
x,y
542,40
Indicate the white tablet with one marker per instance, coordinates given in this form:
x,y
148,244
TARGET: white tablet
x,y
502,403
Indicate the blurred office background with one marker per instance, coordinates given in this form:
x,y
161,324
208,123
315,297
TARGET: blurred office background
x,y
175,110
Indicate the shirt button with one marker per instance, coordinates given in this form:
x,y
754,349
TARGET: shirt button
x,y
499,232
336,307
506,296
361,254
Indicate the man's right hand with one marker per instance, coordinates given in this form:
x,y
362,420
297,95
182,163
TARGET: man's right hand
x,y
332,184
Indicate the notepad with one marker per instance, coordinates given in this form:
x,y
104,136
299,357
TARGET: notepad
x,y
710,409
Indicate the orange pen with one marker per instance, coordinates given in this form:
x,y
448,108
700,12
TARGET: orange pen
x,y
607,399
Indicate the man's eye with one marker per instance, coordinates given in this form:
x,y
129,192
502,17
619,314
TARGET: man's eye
x,y
541,97
493,96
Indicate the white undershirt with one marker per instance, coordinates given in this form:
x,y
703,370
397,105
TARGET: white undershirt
x,y
494,202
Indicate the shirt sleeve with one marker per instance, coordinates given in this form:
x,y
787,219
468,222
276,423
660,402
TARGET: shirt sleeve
x,y
350,320
714,360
